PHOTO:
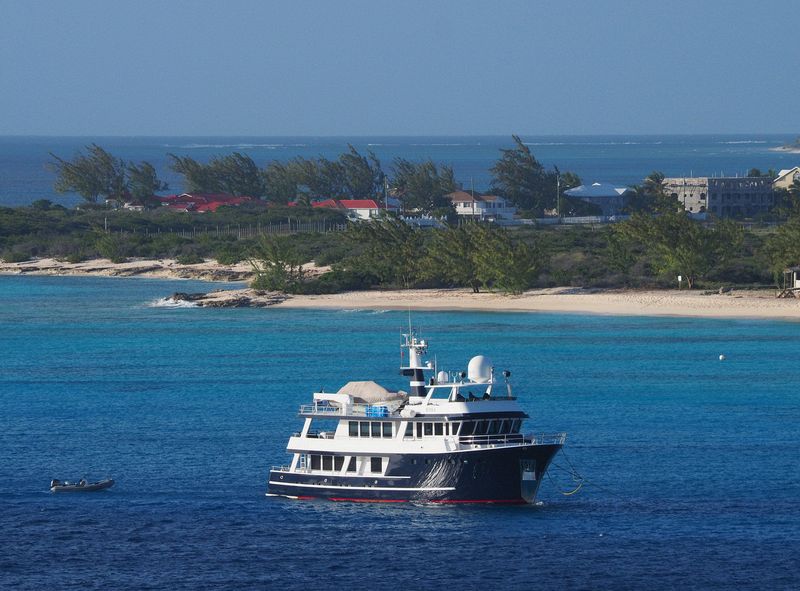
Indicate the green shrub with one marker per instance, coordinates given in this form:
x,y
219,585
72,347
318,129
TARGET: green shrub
x,y
189,258
14,256
228,255
335,281
76,257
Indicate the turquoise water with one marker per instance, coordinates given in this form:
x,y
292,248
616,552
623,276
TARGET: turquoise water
x,y
622,160
691,462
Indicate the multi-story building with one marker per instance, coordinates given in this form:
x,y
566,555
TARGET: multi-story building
x,y
482,207
723,196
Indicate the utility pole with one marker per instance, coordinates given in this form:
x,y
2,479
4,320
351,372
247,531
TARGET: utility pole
x,y
558,193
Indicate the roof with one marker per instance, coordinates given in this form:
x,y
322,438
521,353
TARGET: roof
x,y
359,204
462,197
326,203
787,172
202,201
597,190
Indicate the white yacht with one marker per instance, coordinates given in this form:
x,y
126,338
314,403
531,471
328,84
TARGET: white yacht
x,y
453,438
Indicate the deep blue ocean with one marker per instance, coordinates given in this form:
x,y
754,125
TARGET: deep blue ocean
x,y
691,462
621,160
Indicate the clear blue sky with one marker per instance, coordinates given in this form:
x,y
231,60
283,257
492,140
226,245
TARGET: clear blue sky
x,y
372,67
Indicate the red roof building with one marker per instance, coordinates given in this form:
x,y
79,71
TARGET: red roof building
x,y
202,202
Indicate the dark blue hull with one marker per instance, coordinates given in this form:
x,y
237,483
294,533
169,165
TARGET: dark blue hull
x,y
500,475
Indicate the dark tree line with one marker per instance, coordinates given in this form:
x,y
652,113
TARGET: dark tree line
x,y
99,174
389,252
420,185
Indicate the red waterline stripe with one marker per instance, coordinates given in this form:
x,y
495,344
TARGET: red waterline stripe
x,y
441,501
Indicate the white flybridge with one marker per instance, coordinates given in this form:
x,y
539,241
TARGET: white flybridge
x,y
453,438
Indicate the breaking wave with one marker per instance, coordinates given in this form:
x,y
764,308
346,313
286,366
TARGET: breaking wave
x,y
241,146
171,303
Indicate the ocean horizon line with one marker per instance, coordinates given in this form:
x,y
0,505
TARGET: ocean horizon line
x,y
370,136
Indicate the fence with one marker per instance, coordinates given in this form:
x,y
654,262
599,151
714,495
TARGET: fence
x,y
239,231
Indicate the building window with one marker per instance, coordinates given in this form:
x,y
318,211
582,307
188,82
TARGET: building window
x,y
376,465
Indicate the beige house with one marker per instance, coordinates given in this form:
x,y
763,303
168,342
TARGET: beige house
x,y
785,178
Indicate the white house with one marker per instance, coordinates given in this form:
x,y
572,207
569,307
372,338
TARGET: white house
x,y
607,197
363,209
482,207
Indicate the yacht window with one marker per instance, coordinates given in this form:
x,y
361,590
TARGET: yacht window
x,y
376,465
338,462
419,430
387,430
315,462
364,429
493,427
327,462
351,465
376,429
428,429
438,429
447,428
454,428
480,427
409,429
515,426
353,428
467,428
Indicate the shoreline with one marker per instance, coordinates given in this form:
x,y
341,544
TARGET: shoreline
x,y
208,270
744,304
753,304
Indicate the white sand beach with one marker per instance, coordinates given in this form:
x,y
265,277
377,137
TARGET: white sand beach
x,y
734,304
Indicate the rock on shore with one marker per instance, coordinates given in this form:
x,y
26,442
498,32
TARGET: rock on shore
x,y
229,298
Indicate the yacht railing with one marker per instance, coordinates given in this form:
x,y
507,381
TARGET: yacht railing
x,y
375,411
514,439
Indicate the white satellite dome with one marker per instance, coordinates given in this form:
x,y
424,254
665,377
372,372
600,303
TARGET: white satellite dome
x,y
442,377
479,369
